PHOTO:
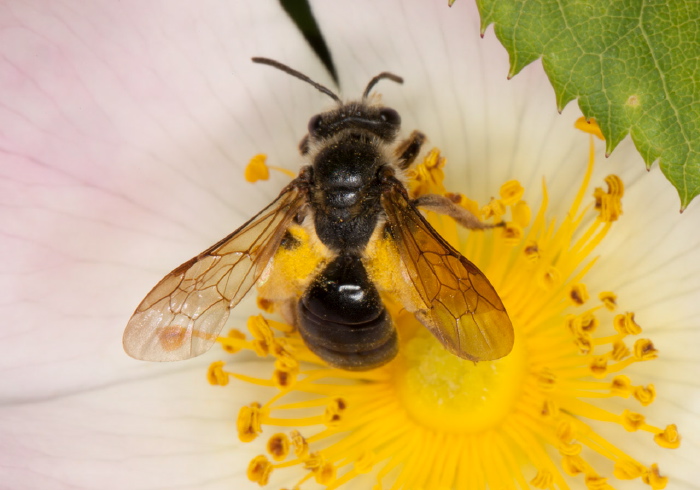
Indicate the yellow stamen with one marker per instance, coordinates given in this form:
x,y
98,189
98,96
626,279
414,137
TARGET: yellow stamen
x,y
654,479
429,420
249,423
257,169
216,374
609,299
578,294
511,192
278,446
259,470
589,126
669,438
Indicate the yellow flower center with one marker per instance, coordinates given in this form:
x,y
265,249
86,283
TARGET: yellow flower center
x,y
430,420
441,391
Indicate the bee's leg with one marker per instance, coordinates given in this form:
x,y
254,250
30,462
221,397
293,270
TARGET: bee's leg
x,y
443,205
408,150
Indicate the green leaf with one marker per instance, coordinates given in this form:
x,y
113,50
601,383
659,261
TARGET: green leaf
x,y
633,65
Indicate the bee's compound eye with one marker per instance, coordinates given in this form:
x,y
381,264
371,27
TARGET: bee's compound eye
x,y
315,124
390,116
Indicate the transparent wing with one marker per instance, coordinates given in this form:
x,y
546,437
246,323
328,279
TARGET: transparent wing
x,y
457,303
184,313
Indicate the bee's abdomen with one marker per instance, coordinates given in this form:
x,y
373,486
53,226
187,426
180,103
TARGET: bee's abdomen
x,y
343,320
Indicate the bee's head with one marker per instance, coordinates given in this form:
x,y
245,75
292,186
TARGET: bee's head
x,y
382,122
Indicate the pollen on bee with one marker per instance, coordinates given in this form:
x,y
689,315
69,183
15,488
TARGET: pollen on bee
x,y
173,337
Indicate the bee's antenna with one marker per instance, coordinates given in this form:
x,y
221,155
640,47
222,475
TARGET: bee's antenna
x,y
381,76
294,73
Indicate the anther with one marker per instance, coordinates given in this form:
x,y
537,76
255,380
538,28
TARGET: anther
x,y
249,423
511,192
216,374
669,437
259,470
278,446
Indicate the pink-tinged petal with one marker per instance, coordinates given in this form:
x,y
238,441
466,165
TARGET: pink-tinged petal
x,y
124,131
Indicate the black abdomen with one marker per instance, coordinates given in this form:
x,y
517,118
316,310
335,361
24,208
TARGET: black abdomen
x,y
343,320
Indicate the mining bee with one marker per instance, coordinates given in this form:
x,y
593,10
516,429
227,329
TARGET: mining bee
x,y
348,204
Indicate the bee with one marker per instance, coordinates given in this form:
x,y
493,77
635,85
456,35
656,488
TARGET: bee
x,y
349,198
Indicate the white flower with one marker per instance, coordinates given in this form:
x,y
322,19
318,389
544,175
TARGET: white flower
x,y
124,131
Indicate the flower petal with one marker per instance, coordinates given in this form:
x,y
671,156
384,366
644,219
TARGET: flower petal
x,y
125,130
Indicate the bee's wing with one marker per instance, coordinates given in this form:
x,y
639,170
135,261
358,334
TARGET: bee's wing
x,y
457,302
183,314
